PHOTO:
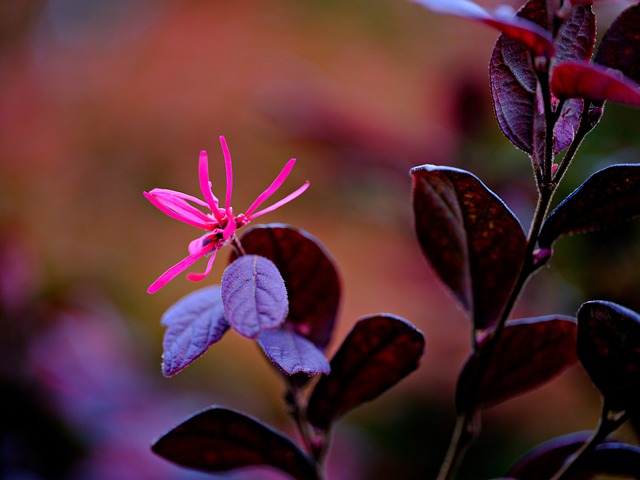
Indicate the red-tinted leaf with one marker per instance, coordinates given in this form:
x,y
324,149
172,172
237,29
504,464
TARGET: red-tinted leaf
x,y
584,80
531,36
193,323
292,353
547,458
254,295
309,274
620,46
607,198
379,352
218,439
530,352
609,349
471,238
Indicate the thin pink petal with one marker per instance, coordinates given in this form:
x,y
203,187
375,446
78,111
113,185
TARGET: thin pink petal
x,y
177,269
282,176
179,203
229,170
185,213
205,185
196,277
280,203
184,196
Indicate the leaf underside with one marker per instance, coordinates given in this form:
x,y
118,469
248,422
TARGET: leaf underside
x,y
292,353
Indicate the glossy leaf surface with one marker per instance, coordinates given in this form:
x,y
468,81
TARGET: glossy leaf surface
x,y
470,237
193,323
513,80
547,458
607,198
218,439
534,38
379,352
309,273
254,295
584,80
292,353
530,352
609,349
620,45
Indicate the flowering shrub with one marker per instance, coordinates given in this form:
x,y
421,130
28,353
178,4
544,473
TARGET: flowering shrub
x,y
282,289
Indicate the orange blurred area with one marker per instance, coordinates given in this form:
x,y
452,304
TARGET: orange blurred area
x,y
100,101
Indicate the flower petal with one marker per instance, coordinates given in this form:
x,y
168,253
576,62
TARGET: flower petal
x,y
282,176
205,185
229,171
178,268
280,203
196,277
177,208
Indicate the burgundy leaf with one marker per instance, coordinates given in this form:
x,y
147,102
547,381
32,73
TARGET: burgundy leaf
x,y
609,349
193,323
530,35
473,241
292,353
530,352
573,79
309,273
607,198
254,295
218,439
614,458
513,81
379,352
620,46
547,458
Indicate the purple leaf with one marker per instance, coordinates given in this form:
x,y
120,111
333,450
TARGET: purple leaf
x,y
620,45
218,439
254,295
609,349
193,323
573,79
472,240
530,352
309,273
378,353
513,81
607,198
547,458
530,35
614,458
292,353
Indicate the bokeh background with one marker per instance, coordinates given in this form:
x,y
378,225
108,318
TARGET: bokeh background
x,y
101,100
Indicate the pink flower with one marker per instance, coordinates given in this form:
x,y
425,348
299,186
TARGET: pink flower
x,y
219,223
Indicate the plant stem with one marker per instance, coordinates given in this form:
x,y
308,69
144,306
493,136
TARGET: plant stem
x,y
315,444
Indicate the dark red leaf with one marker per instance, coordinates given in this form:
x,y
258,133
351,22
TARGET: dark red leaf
x,y
530,352
218,439
607,198
620,46
379,352
613,458
584,80
292,353
309,274
254,295
531,36
473,241
513,81
194,323
609,349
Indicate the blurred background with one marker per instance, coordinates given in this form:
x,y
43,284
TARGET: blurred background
x,y
101,100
